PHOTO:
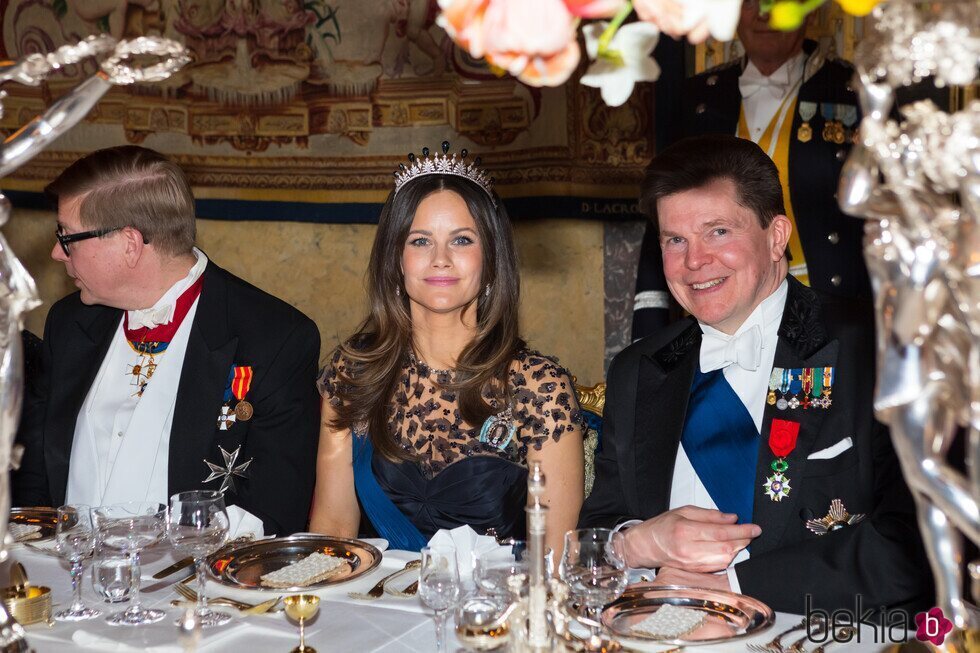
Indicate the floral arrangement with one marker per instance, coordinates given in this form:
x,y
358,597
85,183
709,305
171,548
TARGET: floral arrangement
x,y
537,40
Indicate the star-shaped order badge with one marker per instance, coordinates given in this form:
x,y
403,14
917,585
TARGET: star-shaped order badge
x,y
229,471
782,441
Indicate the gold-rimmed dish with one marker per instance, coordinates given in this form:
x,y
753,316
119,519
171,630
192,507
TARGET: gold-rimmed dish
x,y
243,566
728,616
46,518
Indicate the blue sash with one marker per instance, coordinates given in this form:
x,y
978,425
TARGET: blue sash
x,y
390,522
722,443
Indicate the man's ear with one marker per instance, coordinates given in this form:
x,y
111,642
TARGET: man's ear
x,y
780,230
135,245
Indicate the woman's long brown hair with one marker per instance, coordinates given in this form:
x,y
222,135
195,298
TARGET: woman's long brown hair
x,y
374,355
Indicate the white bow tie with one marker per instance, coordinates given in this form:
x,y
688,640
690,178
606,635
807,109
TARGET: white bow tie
x,y
150,317
745,350
752,81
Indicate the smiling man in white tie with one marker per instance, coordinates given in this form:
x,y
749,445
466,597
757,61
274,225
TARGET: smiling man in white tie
x,y
792,97
739,447
164,373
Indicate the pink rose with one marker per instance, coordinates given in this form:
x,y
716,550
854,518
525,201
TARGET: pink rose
x,y
533,40
595,8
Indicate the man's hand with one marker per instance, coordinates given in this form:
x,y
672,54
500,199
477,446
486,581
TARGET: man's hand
x,y
672,576
688,538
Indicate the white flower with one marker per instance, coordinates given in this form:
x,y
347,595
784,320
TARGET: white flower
x,y
722,16
615,75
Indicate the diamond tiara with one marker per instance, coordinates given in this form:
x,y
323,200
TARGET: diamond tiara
x,y
443,164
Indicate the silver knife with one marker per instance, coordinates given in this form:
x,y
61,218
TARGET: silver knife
x,y
187,562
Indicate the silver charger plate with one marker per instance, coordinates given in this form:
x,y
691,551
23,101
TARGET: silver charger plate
x,y
46,518
728,616
242,566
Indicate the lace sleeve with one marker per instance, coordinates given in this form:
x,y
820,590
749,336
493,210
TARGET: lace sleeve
x,y
329,379
545,405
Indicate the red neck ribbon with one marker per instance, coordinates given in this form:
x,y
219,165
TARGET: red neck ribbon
x,y
165,332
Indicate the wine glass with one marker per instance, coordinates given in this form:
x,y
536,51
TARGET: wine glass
x,y
129,528
74,541
197,526
594,568
439,585
481,621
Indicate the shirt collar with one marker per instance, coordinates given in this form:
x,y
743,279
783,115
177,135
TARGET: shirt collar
x,y
767,315
162,312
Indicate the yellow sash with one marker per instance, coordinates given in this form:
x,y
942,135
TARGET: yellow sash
x,y
779,153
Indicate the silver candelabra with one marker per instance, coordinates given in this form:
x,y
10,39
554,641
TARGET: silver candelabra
x,y
18,293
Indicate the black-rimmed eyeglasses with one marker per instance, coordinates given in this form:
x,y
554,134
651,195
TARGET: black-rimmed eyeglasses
x,y
68,239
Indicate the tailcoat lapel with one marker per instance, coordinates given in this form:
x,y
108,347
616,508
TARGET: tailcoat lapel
x,y
210,354
663,387
803,342
85,349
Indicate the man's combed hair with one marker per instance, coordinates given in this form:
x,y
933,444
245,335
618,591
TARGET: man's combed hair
x,y
374,356
698,161
131,186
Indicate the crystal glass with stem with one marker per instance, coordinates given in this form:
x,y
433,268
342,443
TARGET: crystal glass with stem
x,y
130,528
197,526
439,585
594,568
75,540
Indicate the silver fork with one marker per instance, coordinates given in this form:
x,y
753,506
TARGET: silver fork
x,y
378,590
776,645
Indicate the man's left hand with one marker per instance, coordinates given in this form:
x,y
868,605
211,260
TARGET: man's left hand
x,y
672,576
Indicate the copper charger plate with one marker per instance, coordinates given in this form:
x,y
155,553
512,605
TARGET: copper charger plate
x,y
242,566
46,518
728,616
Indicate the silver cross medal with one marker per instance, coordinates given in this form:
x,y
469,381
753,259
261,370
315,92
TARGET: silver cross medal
x,y
228,471
226,418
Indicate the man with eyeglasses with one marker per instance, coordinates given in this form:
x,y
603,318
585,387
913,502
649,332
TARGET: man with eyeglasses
x,y
790,96
164,372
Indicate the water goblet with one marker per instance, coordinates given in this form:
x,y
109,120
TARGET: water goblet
x,y
129,528
112,574
594,568
74,541
197,526
439,585
302,607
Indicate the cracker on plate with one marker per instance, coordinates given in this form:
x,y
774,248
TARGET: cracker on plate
x,y
311,569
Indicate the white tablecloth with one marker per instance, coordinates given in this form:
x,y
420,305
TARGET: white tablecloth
x,y
389,624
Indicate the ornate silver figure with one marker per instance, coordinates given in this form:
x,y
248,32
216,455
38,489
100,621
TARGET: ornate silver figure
x,y
18,294
918,184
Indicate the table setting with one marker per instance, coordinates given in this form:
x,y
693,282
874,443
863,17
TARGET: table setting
x,y
169,579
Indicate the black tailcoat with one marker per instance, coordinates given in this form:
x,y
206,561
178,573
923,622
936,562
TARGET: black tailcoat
x,y
235,324
880,558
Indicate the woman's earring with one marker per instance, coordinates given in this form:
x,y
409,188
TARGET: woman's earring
x,y
486,291
398,291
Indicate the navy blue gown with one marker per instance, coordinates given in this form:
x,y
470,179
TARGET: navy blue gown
x,y
455,474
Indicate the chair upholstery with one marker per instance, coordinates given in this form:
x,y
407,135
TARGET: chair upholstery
x,y
591,399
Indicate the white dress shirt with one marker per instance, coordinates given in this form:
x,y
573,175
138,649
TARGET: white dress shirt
x,y
751,386
762,95
120,451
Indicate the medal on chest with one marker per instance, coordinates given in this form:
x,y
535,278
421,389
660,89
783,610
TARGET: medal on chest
x,y
239,384
782,441
145,366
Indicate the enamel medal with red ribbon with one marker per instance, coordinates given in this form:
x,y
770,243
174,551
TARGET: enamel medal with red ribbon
x,y
782,441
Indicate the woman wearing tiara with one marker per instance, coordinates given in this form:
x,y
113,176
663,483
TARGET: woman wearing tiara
x,y
433,408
